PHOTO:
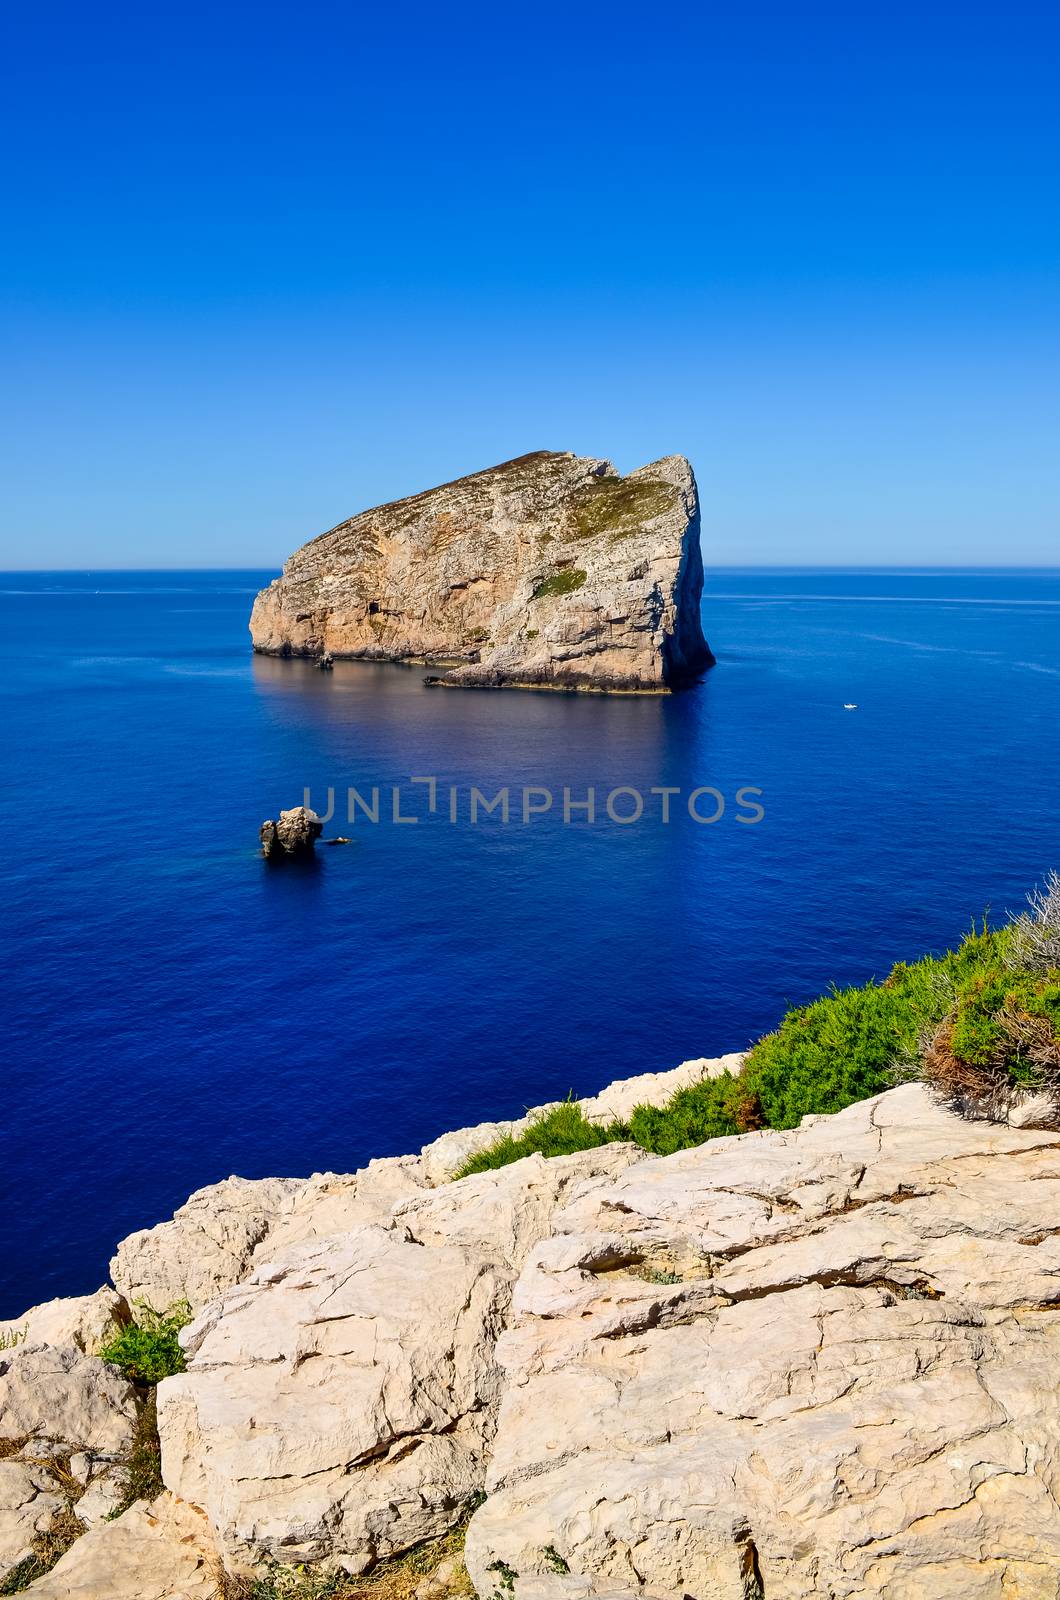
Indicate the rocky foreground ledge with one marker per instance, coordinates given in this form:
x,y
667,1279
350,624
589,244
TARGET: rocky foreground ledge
x,y
548,572
788,1364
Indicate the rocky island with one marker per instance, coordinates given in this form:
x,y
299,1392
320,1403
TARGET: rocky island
x,y
548,572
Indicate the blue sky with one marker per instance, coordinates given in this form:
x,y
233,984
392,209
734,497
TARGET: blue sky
x,y
266,265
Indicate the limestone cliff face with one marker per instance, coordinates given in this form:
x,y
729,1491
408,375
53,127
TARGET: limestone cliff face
x,y
551,571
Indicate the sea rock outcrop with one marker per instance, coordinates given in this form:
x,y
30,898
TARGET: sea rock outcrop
x,y
293,834
550,571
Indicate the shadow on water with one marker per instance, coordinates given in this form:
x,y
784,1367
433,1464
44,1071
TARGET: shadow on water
x,y
293,888
304,864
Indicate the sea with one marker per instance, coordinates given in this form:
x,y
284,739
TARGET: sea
x,y
870,767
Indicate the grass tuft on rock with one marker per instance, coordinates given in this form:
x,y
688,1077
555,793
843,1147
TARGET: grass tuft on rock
x,y
142,1467
558,1132
148,1348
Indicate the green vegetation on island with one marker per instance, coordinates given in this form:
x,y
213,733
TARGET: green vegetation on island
x,y
619,507
564,582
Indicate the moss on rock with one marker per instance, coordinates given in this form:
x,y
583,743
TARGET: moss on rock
x,y
618,507
564,582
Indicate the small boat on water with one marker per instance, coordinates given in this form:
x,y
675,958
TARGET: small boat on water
x,y
850,705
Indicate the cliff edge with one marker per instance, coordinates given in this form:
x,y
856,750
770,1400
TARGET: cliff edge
x,y
806,1364
550,571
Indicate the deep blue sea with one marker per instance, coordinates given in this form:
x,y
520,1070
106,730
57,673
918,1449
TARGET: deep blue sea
x,y
178,1010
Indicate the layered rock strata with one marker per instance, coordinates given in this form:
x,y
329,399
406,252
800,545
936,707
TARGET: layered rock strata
x,y
551,571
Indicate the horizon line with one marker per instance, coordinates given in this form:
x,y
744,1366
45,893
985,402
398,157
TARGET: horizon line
x,y
719,566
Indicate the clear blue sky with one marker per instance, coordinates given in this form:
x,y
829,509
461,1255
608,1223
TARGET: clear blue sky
x,y
266,265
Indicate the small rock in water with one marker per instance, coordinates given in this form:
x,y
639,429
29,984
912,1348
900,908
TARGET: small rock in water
x,y
340,838
296,832
325,662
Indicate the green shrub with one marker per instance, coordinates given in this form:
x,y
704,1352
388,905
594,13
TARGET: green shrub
x,y
1001,1034
147,1350
989,1015
845,1047
554,1133
708,1110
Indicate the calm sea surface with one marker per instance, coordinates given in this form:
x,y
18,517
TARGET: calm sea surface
x,y
177,1010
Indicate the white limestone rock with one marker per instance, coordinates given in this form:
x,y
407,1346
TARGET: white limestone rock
x,y
790,1364
206,1247
29,1498
331,1203
58,1396
339,1404
104,1494
504,1213
160,1551
85,1321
